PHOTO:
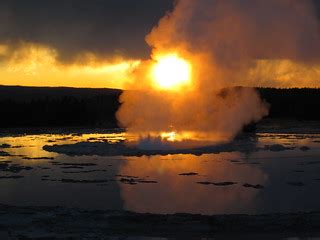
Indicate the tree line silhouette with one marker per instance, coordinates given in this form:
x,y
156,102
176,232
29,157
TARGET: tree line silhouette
x,y
72,107
58,107
292,103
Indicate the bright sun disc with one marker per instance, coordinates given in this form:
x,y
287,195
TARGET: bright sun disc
x,y
171,71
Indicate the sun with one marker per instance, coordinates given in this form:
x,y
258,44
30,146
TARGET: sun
x,y
171,72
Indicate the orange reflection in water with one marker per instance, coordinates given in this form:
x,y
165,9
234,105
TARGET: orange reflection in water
x,y
31,146
175,193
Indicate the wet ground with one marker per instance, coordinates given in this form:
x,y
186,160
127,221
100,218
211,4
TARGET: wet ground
x,y
279,172
276,170
62,223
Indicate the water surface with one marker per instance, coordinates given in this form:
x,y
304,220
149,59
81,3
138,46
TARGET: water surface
x,y
226,183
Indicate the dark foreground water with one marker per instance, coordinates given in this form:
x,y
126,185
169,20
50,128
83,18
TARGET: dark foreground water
x,y
264,181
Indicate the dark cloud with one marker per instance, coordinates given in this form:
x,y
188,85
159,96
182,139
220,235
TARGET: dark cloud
x,y
72,26
317,6
106,27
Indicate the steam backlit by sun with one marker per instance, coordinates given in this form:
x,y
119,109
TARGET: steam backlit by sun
x,y
202,53
171,72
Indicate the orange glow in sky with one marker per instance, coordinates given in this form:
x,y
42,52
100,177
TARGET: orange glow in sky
x,y
171,72
38,65
34,65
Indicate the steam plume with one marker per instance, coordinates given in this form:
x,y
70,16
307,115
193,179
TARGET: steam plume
x,y
226,42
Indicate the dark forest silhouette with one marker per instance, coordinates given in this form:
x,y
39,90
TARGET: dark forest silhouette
x,y
73,107
58,107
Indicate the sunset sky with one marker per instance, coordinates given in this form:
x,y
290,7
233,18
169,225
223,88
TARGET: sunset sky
x,y
95,43
75,42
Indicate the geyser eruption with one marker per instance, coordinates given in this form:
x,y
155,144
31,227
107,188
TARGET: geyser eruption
x,y
201,53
